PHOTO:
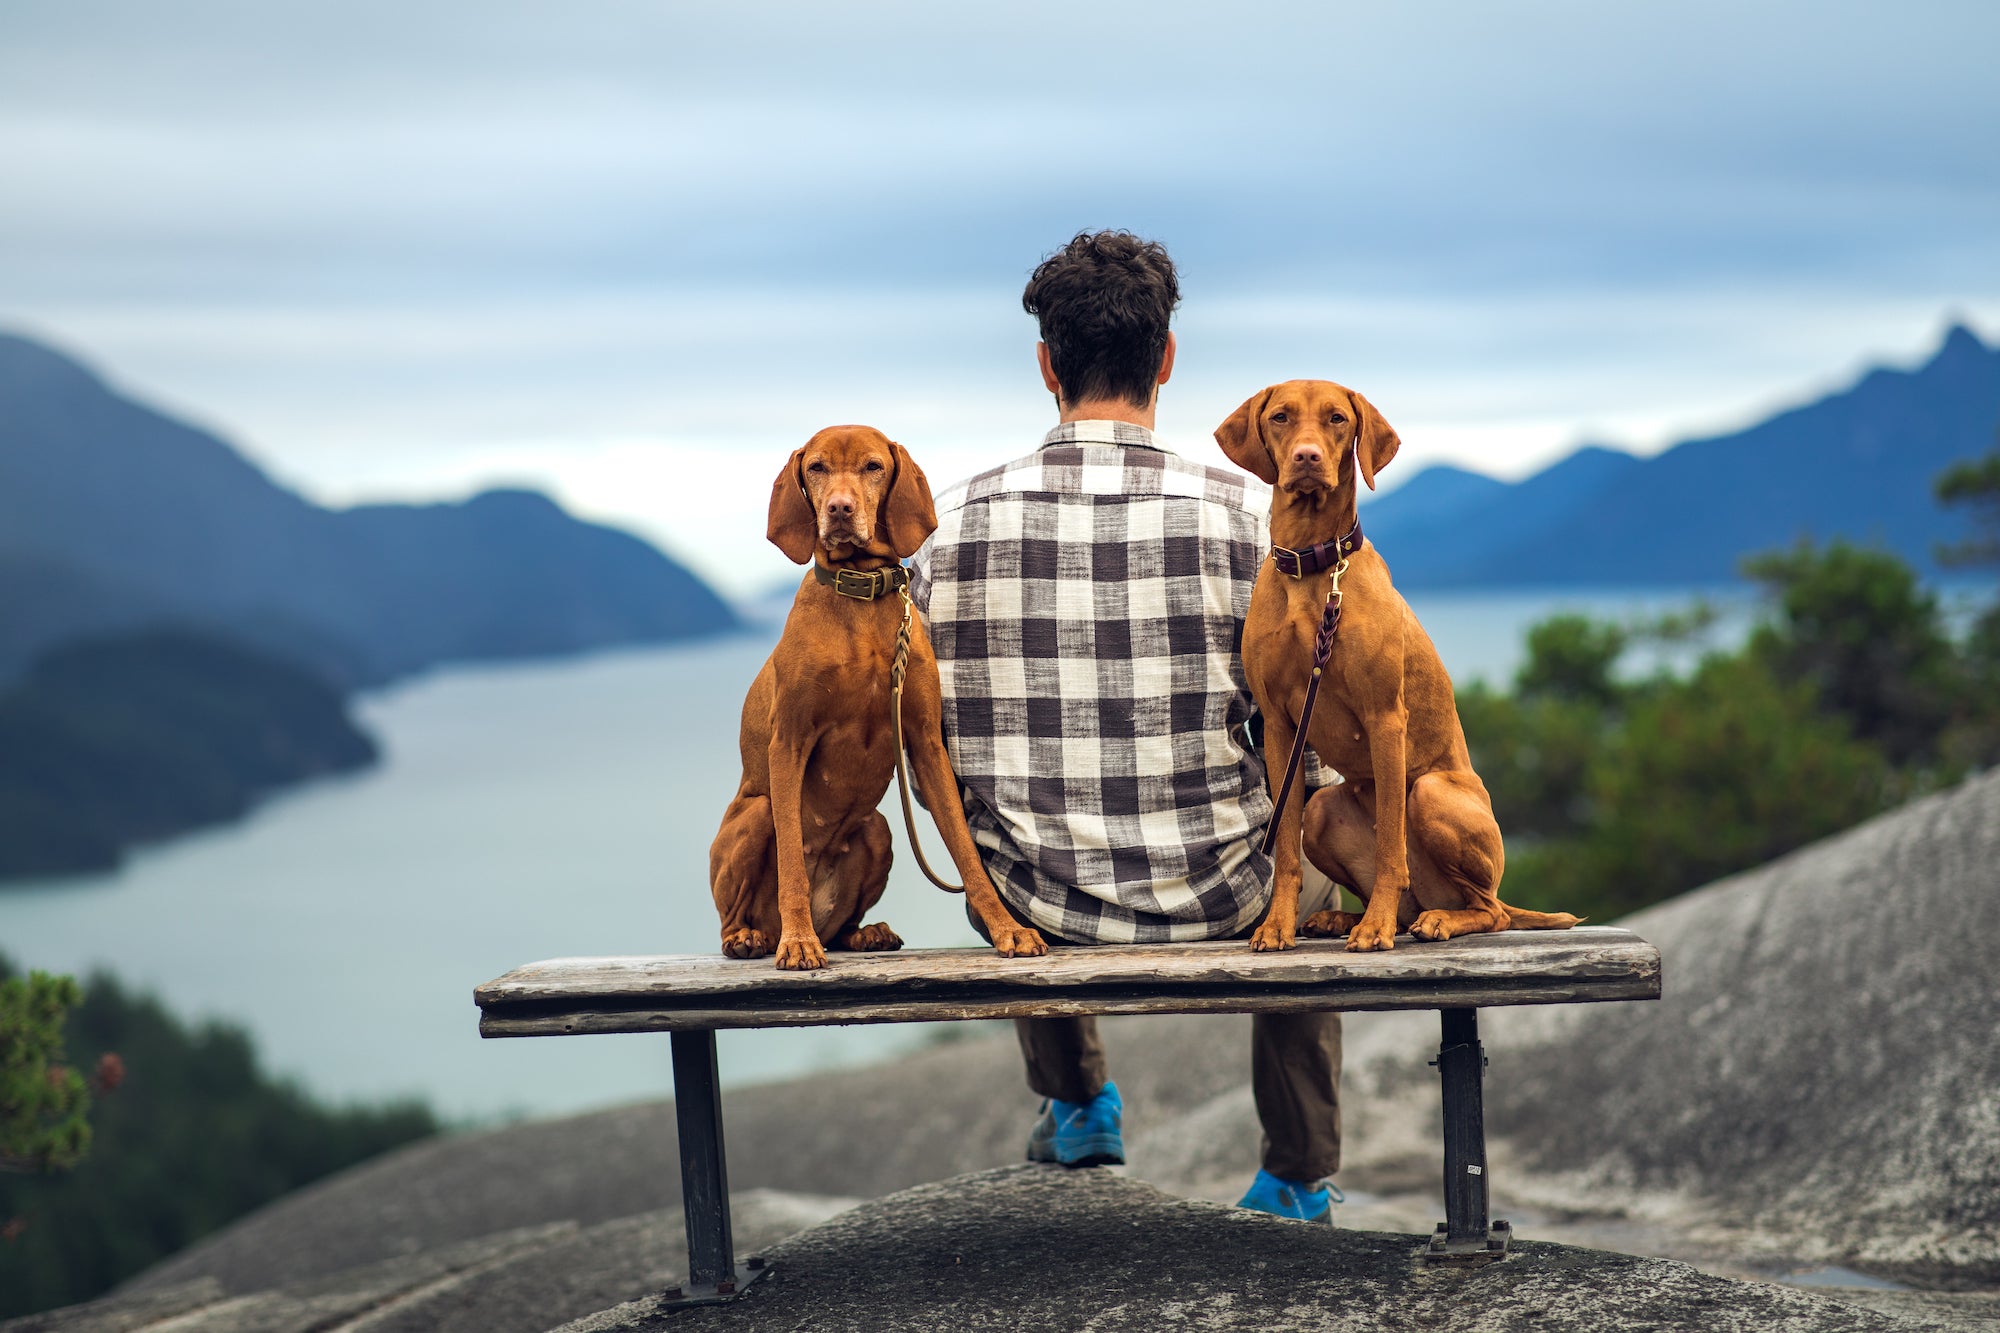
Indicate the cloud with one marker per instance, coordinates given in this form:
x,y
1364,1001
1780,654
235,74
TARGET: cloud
x,y
399,247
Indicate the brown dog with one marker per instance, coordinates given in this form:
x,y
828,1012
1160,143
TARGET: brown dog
x,y
1411,813
803,853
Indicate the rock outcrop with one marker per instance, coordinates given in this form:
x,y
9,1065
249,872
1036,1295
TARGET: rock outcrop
x,y
1042,1248
1820,1086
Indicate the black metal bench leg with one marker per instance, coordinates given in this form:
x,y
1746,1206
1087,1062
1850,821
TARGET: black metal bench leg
x,y
1465,1233
704,1174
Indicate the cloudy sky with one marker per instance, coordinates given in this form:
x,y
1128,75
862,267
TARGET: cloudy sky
x,y
634,253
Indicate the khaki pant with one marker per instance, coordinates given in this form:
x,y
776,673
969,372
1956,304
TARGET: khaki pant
x,y
1294,1068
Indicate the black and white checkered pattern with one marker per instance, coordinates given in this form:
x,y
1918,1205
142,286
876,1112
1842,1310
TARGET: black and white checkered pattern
x,y
1086,604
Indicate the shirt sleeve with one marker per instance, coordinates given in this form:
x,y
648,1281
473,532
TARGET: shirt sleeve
x,y
920,577
920,596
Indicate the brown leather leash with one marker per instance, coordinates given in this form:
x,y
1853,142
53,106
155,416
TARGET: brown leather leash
x,y
896,669
866,586
1311,561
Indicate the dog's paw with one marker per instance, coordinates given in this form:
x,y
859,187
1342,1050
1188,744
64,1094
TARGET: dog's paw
x,y
1330,923
1272,937
873,938
1431,926
1364,938
800,955
746,943
1019,942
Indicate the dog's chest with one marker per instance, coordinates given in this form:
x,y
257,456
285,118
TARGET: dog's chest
x,y
1339,739
1278,664
852,762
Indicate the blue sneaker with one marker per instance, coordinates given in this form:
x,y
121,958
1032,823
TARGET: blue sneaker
x,y
1283,1198
1080,1133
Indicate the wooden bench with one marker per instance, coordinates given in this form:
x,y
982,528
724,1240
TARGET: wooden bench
x,y
691,996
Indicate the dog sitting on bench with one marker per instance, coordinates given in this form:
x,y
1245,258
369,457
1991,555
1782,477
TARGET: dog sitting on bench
x,y
803,853
1410,814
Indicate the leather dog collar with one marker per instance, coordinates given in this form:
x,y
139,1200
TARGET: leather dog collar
x,y
1318,556
863,585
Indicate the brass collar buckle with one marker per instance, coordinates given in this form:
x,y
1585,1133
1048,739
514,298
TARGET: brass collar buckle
x,y
853,583
863,585
1318,556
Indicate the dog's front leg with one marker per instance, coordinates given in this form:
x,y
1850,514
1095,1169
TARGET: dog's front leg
x,y
1279,929
923,727
798,943
1387,756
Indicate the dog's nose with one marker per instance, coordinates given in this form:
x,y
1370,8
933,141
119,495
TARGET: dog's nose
x,y
1308,455
839,506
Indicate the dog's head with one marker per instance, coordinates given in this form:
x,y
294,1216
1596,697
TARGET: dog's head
x,y
1297,436
850,490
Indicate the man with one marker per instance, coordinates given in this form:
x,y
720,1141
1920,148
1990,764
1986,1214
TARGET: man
x,y
1086,603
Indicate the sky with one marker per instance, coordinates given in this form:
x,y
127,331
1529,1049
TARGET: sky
x,y
635,253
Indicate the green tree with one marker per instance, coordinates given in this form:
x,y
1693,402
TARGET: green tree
x,y
1704,777
1534,755
1856,625
1571,657
197,1136
43,1102
1975,484
1849,696
1533,747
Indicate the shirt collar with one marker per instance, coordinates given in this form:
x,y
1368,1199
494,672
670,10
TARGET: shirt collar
x,y
1100,432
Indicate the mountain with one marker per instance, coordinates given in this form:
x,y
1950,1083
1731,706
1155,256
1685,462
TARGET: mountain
x,y
114,515
108,743
1435,495
1857,464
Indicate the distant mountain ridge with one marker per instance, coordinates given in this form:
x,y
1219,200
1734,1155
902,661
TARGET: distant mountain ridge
x,y
106,744
114,515
1858,464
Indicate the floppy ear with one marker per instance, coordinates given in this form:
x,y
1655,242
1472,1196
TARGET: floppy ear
x,y
1242,439
1375,441
908,514
791,527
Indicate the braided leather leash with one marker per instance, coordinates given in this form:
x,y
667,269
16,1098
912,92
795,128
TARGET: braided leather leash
x,y
866,586
1329,625
896,670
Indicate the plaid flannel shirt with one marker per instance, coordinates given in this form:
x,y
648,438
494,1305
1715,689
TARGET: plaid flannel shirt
x,y
1086,605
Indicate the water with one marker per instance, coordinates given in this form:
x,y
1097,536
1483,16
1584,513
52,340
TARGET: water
x,y
1841,1277
521,813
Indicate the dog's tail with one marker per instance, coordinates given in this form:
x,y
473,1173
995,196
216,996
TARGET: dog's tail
x,y
1520,918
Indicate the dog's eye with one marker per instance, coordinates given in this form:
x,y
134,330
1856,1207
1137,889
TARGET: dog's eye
x,y
871,466
1335,419
815,466
1279,418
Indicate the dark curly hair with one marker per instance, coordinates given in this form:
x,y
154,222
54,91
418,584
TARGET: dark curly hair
x,y
1104,301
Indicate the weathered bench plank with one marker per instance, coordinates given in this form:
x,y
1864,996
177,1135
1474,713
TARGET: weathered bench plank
x,y
682,992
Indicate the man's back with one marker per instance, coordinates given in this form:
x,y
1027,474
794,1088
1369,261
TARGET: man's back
x,y
1086,603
